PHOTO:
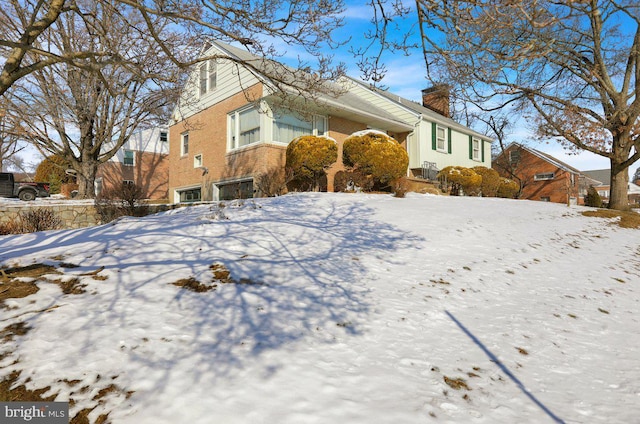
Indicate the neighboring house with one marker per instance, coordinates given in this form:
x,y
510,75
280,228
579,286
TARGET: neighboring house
x,y
541,176
143,160
602,183
600,179
228,128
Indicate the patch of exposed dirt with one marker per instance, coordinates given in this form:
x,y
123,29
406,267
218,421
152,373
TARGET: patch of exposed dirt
x,y
21,393
12,288
456,383
193,285
17,329
627,219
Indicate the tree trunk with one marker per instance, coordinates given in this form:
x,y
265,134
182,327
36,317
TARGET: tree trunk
x,y
86,180
618,197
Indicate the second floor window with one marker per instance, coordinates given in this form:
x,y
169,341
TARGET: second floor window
x,y
164,136
184,144
129,157
208,77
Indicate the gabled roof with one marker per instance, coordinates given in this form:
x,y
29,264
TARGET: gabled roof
x,y
418,109
544,156
342,100
601,175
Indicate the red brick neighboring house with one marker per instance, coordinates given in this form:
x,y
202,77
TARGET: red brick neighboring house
x,y
143,160
541,176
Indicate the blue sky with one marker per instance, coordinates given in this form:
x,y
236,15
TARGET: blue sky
x,y
406,76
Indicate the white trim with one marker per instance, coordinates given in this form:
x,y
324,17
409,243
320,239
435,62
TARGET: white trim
x,y
197,160
444,149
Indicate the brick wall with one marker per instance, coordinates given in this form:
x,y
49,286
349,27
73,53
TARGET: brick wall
x,y
557,190
208,137
150,171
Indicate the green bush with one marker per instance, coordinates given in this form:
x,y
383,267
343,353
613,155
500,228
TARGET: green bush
x,y
507,189
490,180
52,170
308,158
376,155
593,198
459,177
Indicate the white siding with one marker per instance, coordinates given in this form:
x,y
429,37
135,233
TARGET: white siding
x,y
381,102
459,155
231,80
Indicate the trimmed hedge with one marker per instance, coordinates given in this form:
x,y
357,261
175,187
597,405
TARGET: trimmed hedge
x,y
309,156
376,155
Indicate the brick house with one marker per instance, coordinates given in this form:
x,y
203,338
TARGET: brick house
x,y
600,179
541,176
229,128
143,160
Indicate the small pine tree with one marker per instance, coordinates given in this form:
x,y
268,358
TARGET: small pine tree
x,y
593,198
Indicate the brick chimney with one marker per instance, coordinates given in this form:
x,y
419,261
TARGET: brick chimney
x,y
436,98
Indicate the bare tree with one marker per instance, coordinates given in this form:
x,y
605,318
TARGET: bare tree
x,y
10,140
257,25
85,114
575,65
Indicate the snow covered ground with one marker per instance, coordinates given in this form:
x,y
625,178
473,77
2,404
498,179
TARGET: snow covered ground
x,y
339,308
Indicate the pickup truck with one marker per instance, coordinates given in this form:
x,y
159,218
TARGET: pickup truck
x,y
24,191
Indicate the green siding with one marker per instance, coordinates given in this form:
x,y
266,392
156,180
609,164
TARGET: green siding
x,y
434,142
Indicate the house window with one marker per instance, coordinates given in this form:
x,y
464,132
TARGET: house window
x,y
127,182
514,157
236,190
476,149
129,158
164,136
184,144
191,195
197,161
288,127
545,199
544,176
208,72
203,79
441,138
244,127
213,75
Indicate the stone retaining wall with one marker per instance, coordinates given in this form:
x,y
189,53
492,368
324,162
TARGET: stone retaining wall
x,y
72,215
